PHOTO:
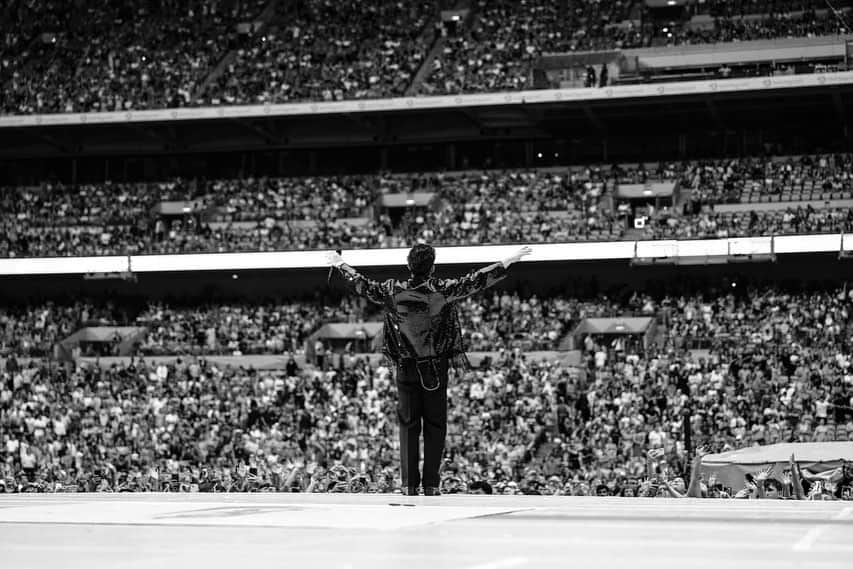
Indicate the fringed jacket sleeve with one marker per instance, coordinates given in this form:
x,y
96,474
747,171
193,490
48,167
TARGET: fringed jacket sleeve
x,y
473,282
374,291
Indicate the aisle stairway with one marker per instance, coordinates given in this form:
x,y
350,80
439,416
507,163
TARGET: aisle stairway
x,y
264,19
435,51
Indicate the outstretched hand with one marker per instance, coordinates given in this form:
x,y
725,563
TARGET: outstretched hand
x,y
515,257
333,259
815,490
655,453
764,473
700,452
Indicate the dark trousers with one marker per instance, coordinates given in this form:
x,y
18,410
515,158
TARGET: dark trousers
x,y
419,409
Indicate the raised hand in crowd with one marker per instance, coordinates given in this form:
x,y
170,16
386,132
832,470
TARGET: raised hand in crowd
x,y
796,478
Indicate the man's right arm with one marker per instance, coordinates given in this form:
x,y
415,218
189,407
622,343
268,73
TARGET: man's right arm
x,y
796,478
694,489
372,290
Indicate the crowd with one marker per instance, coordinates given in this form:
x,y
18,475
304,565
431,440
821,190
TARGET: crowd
x,y
320,199
503,207
499,50
805,177
87,219
733,369
740,8
32,331
773,25
238,329
705,184
56,58
304,213
331,51
708,224
492,206
507,321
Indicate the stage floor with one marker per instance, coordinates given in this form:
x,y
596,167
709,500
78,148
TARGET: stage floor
x,y
339,531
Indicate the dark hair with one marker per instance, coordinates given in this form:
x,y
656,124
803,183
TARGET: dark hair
x,y
480,485
421,259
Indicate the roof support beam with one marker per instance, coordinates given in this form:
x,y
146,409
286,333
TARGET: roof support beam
x,y
150,134
364,121
472,118
594,120
43,136
715,113
839,107
268,135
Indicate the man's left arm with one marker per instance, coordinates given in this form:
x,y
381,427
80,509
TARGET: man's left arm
x,y
476,281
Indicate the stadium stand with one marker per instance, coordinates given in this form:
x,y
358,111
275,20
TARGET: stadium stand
x,y
501,49
168,54
238,329
701,199
150,391
505,321
496,52
330,51
745,21
758,368
56,60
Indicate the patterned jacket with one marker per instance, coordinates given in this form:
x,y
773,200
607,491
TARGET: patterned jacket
x,y
421,320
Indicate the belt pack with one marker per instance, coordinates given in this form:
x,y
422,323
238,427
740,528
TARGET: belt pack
x,y
429,372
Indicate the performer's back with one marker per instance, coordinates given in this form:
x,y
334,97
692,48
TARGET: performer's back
x,y
421,313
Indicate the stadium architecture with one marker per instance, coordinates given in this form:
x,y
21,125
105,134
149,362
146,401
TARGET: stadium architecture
x,y
679,110
677,113
174,319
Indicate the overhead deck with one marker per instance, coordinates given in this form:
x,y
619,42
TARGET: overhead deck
x,y
669,108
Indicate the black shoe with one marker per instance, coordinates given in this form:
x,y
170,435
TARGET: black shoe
x,y
409,491
431,491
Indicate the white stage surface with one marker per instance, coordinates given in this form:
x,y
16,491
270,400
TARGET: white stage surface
x,y
370,531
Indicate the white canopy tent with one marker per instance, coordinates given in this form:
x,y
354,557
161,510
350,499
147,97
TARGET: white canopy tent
x,y
816,460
